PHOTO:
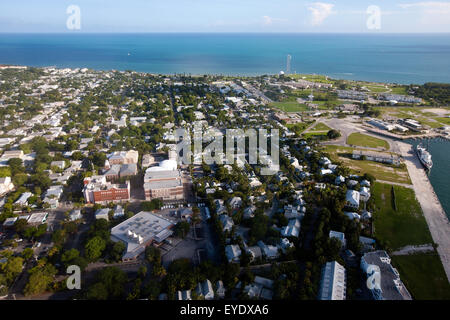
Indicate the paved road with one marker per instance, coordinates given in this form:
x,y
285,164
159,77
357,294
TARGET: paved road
x,y
347,126
432,209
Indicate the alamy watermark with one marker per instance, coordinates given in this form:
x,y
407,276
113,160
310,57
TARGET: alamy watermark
x,y
236,147
374,18
74,280
74,20
374,280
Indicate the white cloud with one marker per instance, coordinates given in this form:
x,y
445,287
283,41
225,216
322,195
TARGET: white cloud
x,y
319,12
269,20
429,6
432,12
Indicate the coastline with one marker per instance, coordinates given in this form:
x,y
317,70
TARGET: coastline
x,y
437,220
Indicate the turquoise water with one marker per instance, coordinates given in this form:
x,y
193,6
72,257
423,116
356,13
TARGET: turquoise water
x,y
440,173
383,58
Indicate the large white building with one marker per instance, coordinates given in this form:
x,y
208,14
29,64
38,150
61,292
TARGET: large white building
x,y
383,279
352,199
333,284
141,230
6,185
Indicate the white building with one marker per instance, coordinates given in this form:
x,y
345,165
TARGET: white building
x,y
184,295
292,229
205,290
338,235
6,185
227,222
233,253
352,199
333,284
140,231
385,279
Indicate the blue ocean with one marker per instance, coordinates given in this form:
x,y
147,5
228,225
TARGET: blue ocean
x,y
395,58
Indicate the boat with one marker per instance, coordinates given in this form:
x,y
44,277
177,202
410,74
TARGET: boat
x,y
424,157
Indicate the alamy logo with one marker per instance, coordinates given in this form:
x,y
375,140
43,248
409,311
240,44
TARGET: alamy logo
x,y
374,19
74,280
374,279
236,147
74,20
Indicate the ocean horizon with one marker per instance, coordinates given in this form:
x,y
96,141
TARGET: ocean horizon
x,y
392,58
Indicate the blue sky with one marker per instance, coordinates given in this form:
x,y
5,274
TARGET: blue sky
x,y
225,16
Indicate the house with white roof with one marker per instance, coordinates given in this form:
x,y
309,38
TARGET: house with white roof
x,y
226,222
102,214
352,199
233,253
340,236
23,200
205,289
269,251
6,185
333,283
364,193
184,295
292,229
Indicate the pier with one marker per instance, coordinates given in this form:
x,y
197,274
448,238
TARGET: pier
x,y
435,216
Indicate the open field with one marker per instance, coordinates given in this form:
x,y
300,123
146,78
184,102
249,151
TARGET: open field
x,y
423,275
444,120
432,117
312,77
320,127
314,134
290,106
362,140
377,88
298,127
401,227
399,90
380,171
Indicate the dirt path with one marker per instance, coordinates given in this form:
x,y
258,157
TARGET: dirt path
x,y
413,249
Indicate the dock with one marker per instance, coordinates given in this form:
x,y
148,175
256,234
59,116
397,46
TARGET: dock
x,y
433,211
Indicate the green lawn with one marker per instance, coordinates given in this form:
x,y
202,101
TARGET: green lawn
x,y
314,134
380,171
444,120
312,77
362,140
298,127
407,225
320,127
377,89
399,90
290,106
423,275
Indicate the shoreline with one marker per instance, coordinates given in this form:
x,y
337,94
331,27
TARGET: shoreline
x,y
222,74
435,216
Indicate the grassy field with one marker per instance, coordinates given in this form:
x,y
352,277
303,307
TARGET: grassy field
x,y
401,227
320,126
362,140
423,275
290,106
377,88
380,171
444,120
314,134
426,118
399,90
312,77
298,127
